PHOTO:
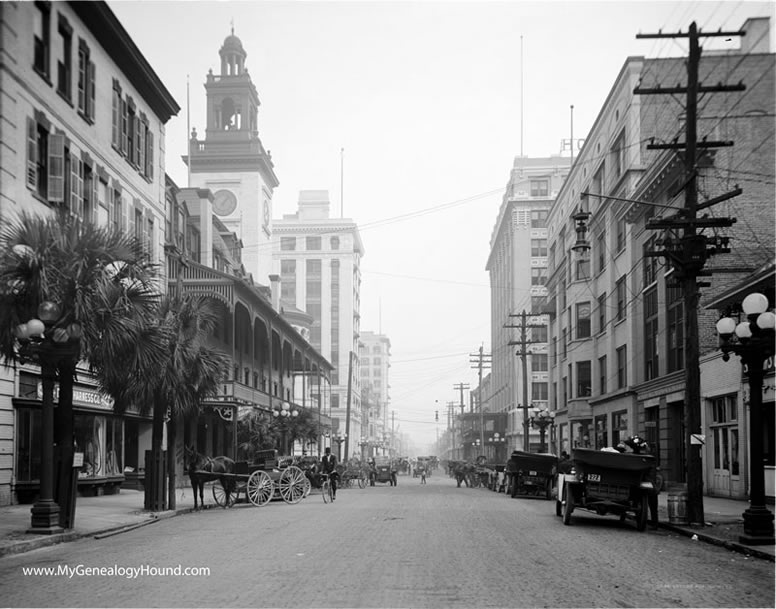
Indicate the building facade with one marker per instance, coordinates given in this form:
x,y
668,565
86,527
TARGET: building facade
x,y
617,356
83,129
318,261
374,351
517,265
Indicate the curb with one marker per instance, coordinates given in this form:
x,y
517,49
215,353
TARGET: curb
x,y
27,545
724,543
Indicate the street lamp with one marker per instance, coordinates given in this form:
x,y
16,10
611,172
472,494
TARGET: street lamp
x,y
541,420
45,343
339,439
753,341
283,414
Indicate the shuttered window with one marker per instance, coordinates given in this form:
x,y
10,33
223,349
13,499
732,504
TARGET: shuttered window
x,y
56,168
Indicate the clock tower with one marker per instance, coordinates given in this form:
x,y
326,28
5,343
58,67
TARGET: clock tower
x,y
231,160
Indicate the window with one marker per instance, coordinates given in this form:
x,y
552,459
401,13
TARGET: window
x,y
602,313
539,248
116,116
651,263
565,344
539,362
334,243
65,63
601,435
539,391
540,334
583,268
538,276
597,185
620,235
602,384
725,432
584,379
622,367
86,80
539,218
288,244
675,321
313,243
540,188
622,301
583,320
42,38
650,335
601,249
618,155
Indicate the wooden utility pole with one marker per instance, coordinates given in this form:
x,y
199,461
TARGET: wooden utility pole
x,y
451,426
688,253
460,387
482,360
523,352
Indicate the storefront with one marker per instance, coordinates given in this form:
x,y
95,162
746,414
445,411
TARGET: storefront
x,y
112,445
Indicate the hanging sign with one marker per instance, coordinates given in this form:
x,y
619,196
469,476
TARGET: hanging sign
x,y
697,438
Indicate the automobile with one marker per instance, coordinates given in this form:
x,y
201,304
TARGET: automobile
x,y
383,471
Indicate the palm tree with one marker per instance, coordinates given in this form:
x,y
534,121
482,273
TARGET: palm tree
x,y
101,282
189,371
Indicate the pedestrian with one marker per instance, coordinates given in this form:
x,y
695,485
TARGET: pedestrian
x,y
422,474
329,465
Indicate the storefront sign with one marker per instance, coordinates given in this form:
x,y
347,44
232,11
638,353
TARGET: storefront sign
x,y
82,396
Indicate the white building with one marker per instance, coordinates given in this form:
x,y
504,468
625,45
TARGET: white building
x,y
318,259
518,273
375,362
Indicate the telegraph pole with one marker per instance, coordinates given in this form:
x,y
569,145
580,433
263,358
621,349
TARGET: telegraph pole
x,y
451,419
482,360
460,387
689,252
523,352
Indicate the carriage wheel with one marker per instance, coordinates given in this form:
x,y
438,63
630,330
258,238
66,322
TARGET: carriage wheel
x,y
291,484
308,486
259,488
219,494
568,506
641,513
326,491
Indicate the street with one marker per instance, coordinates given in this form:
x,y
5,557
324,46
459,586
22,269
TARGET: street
x,y
412,545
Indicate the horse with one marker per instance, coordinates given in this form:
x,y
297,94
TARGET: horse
x,y
196,462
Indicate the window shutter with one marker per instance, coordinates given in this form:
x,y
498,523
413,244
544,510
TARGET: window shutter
x,y
150,155
115,134
91,89
141,145
76,186
32,154
56,168
124,127
129,214
95,197
83,68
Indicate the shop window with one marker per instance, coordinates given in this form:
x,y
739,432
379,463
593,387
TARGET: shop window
x,y
601,434
90,434
114,447
619,427
28,423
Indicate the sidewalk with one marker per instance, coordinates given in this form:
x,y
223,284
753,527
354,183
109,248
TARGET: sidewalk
x,y
94,516
113,514
725,524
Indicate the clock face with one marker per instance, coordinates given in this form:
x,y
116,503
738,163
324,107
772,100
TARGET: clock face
x,y
224,202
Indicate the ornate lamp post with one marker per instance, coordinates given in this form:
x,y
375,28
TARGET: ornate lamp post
x,y
284,413
45,341
339,439
541,420
753,341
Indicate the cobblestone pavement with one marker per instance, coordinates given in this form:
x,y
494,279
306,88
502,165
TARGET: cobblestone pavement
x,y
412,545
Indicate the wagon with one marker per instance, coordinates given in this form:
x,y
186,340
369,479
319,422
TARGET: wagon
x,y
607,483
535,473
262,481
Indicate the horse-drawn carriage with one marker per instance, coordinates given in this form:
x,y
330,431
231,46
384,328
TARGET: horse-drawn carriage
x,y
533,473
352,472
267,478
606,483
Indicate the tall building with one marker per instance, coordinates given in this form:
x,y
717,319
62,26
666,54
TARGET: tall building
x,y
232,162
518,274
83,129
375,361
618,349
319,263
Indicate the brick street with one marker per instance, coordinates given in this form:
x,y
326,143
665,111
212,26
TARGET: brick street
x,y
408,546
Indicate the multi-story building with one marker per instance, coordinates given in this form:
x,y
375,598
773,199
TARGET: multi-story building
x,y
617,354
374,352
518,275
319,264
83,129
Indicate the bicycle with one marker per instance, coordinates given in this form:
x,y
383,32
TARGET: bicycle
x,y
326,492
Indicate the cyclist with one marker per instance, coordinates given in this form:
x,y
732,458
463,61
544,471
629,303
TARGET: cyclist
x,y
329,465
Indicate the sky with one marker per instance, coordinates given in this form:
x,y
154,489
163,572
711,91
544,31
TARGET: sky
x,y
411,114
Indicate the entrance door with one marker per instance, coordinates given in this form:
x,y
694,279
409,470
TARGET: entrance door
x,y
725,475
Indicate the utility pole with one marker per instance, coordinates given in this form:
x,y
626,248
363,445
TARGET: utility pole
x,y
393,428
481,361
451,424
688,253
460,387
523,352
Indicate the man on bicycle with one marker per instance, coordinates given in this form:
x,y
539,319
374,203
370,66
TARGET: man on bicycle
x,y
329,464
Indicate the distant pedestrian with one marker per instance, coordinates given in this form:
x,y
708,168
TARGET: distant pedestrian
x,y
422,474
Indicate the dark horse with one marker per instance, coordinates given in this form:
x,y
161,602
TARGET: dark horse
x,y
196,464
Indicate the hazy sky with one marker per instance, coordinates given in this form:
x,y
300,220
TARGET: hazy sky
x,y
425,99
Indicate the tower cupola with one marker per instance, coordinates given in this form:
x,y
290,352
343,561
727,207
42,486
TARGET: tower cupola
x,y
232,56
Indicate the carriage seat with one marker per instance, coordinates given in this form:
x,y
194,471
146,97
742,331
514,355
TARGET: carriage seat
x,y
241,467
